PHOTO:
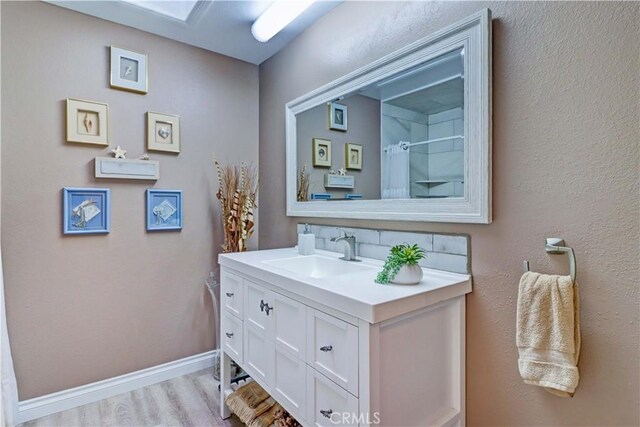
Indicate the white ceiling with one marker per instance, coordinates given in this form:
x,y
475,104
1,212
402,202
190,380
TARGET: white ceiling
x,y
216,25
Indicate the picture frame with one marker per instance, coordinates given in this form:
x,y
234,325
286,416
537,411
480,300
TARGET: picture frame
x,y
128,70
353,156
164,210
87,122
321,153
86,210
338,117
163,132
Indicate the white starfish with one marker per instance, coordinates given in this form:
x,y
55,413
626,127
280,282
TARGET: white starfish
x,y
342,171
119,153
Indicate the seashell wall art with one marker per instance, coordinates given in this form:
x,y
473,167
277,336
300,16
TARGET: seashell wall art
x,y
87,122
163,132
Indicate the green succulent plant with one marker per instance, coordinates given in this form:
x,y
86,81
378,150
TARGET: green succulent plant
x,y
400,255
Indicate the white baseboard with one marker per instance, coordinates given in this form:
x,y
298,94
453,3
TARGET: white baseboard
x,y
66,399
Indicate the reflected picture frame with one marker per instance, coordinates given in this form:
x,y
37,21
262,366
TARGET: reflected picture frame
x,y
337,117
321,153
87,122
163,132
164,209
86,210
128,70
353,156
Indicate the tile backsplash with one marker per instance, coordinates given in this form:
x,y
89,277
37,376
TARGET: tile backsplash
x,y
449,252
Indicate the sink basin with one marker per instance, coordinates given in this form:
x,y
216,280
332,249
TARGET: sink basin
x,y
318,267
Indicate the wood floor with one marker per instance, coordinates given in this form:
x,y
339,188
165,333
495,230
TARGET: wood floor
x,y
190,400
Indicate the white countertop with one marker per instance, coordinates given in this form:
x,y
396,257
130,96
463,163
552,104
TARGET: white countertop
x,y
356,293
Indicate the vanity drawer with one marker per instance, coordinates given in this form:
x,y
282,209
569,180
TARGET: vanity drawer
x,y
328,404
232,339
332,349
231,294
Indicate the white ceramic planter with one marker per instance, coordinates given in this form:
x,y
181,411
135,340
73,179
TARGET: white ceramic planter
x,y
408,275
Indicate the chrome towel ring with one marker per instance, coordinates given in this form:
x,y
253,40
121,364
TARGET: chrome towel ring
x,y
555,246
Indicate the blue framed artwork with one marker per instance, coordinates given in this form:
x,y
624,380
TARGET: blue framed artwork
x,y
164,210
85,210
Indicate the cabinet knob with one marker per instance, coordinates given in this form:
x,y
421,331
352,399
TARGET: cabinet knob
x,y
326,348
267,309
229,294
326,413
228,334
263,305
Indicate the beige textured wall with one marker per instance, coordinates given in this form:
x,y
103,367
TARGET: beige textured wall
x,y
363,128
565,163
86,308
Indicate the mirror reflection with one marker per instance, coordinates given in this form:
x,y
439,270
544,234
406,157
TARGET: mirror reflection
x,y
402,137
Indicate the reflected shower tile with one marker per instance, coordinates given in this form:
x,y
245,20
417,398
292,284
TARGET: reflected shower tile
x,y
446,189
419,132
446,165
444,116
441,130
395,130
458,127
403,113
458,189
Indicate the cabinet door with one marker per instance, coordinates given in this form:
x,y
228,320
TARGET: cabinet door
x,y
258,354
289,383
329,404
288,327
255,302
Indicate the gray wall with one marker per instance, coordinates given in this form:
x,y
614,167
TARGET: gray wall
x,y
565,153
86,308
363,127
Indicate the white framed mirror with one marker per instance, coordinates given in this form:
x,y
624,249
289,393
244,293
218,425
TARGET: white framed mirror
x,y
405,138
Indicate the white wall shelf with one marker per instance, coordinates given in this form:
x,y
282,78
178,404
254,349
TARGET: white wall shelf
x,y
109,167
339,181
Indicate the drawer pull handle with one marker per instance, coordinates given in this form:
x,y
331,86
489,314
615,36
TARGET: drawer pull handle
x,y
326,414
228,334
326,348
229,294
267,309
263,305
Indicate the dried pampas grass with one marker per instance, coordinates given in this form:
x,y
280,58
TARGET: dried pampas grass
x,y
303,184
237,192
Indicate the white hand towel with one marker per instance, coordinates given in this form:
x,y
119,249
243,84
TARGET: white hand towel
x,y
548,332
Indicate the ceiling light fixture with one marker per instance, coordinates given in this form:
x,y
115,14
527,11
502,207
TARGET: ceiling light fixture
x,y
277,16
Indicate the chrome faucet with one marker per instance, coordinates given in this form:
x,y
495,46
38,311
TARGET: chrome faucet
x,y
349,247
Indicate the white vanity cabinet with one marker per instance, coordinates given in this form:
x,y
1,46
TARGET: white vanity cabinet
x,y
274,342
401,362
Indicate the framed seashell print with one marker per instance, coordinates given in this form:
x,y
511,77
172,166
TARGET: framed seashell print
x,y
337,117
85,210
163,132
164,210
87,122
321,155
353,156
128,70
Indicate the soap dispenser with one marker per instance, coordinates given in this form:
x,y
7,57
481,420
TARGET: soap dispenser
x,y
306,242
